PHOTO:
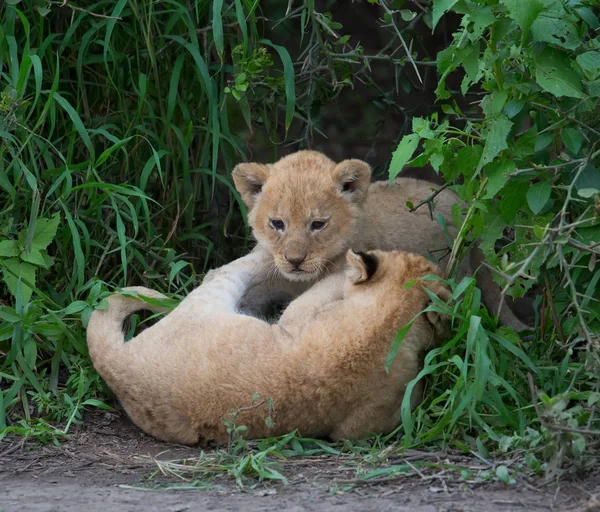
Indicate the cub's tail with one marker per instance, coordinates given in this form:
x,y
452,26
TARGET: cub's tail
x,y
105,336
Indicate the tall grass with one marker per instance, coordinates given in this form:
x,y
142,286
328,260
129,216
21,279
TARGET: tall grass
x,y
119,125
114,158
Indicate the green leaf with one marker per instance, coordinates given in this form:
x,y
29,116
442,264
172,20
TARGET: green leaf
x,y
407,15
441,7
543,141
554,30
396,344
403,154
217,26
497,176
593,88
502,474
45,231
513,199
588,179
513,107
13,269
9,248
538,195
8,314
34,257
589,62
572,140
290,80
588,16
77,122
524,12
496,140
555,75
75,307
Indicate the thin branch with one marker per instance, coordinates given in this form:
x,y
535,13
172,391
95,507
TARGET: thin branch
x,y
551,426
429,200
65,3
582,247
399,34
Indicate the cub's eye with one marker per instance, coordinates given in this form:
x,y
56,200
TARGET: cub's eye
x,y
318,225
277,225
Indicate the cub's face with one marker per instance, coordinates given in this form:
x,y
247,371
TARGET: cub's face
x,y
303,209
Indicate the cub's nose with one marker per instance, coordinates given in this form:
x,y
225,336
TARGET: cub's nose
x,y
295,260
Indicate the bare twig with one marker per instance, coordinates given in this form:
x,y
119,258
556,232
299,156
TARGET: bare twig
x,y
377,481
429,200
65,3
399,34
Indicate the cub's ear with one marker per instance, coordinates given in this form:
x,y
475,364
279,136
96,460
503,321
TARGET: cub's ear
x,y
439,322
249,179
354,178
361,266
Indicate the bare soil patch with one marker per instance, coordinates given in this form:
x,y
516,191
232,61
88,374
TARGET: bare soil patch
x,y
88,471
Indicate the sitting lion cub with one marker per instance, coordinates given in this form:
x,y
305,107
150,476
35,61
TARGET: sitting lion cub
x,y
323,364
306,210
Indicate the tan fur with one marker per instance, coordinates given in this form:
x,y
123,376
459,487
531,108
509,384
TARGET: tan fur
x,y
322,364
307,186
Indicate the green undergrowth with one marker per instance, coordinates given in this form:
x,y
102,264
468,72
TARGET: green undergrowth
x,y
120,123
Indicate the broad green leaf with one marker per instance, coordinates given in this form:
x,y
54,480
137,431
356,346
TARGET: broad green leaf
x,y
403,154
524,12
589,178
45,231
554,74
441,7
572,139
75,307
493,104
497,176
502,474
513,107
12,270
496,140
588,16
589,62
543,141
9,248
593,88
538,195
34,257
8,314
554,30
513,199
407,15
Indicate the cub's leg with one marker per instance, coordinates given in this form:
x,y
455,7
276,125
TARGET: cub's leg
x,y
224,287
369,419
268,289
311,303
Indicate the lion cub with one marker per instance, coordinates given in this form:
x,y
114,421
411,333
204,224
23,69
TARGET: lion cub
x,y
306,210
322,364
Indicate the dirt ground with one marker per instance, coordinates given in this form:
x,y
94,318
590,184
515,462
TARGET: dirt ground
x,y
88,471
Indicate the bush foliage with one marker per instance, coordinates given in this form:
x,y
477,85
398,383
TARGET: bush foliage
x,y
120,123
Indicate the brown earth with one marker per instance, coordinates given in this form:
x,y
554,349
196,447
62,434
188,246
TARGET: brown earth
x,y
87,473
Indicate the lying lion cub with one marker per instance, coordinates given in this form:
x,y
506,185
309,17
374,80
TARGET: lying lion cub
x,y
306,210
322,364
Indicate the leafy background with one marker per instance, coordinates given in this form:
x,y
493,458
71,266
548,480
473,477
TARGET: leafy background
x,y
120,123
